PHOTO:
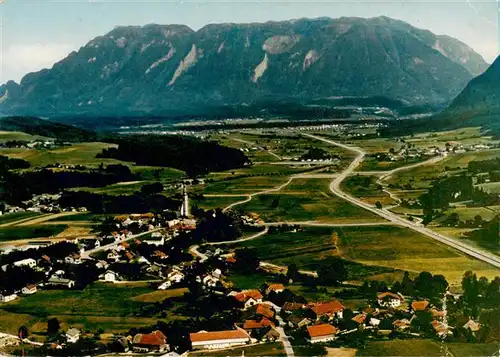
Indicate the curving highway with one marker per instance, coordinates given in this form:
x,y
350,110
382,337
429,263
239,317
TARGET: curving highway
x,y
335,189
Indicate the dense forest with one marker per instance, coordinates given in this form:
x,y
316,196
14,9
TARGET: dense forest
x,y
192,155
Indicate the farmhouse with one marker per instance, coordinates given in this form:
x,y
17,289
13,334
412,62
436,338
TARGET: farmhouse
x,y
472,326
31,263
155,239
72,335
298,321
419,305
7,297
110,276
61,282
321,333
292,306
210,281
219,339
389,299
331,309
277,288
154,341
254,324
262,310
29,289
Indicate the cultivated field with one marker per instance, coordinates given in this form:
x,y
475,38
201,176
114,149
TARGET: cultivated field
x,y
382,250
307,200
112,307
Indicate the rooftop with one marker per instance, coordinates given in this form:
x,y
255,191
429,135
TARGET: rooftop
x,y
321,330
204,336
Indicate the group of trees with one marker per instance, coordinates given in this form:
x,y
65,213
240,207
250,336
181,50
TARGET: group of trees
x,y
452,189
424,285
192,155
138,202
20,186
218,226
317,154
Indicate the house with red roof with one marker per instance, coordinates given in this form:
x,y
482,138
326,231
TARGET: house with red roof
x,y
277,288
419,305
219,339
256,324
331,309
154,341
321,333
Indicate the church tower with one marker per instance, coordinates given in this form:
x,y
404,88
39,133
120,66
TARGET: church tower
x,y
185,202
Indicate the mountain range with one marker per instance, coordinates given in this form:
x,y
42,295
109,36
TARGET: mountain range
x,y
479,102
165,69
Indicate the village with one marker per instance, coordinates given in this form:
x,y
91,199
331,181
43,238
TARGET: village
x,y
162,252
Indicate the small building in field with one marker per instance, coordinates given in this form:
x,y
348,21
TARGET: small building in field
x,y
110,276
7,297
60,282
154,341
72,335
277,288
29,289
321,333
472,325
219,339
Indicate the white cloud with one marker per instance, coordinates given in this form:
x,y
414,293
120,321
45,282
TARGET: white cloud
x,y
19,59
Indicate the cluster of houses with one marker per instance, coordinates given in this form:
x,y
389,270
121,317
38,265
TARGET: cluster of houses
x,y
263,321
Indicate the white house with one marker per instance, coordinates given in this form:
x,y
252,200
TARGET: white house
x,y
7,297
29,289
210,281
389,299
175,276
155,239
72,335
102,264
73,259
110,276
219,339
165,285
56,281
217,273
31,263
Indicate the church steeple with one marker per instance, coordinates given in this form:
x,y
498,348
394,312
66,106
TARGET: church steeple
x,y
185,202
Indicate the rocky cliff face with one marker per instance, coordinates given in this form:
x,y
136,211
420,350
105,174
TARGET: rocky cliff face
x,y
159,69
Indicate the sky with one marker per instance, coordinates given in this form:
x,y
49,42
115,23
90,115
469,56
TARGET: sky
x,y
34,34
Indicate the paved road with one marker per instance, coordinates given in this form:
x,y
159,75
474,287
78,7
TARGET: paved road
x,y
87,253
257,235
335,188
252,195
284,338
